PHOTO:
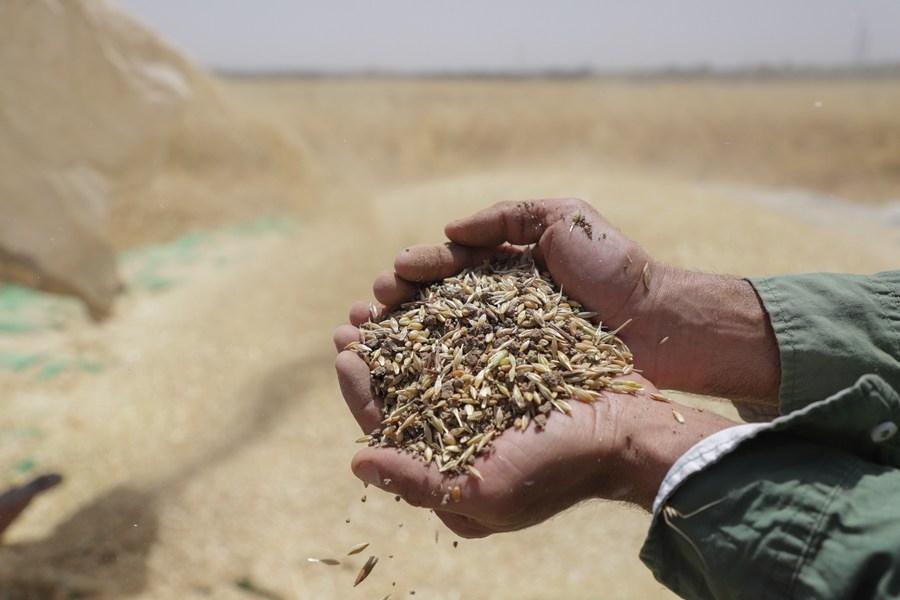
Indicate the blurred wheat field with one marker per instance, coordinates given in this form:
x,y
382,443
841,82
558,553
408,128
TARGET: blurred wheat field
x,y
838,137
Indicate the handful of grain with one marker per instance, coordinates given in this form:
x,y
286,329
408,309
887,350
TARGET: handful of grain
x,y
495,347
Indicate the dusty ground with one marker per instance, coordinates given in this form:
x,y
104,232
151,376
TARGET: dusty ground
x,y
203,440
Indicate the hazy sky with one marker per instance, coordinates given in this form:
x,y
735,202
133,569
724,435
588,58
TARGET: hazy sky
x,y
417,35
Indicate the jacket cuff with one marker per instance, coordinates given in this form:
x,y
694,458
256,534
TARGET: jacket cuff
x,y
832,329
750,511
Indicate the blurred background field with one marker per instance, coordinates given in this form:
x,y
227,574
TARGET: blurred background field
x,y
834,134
198,424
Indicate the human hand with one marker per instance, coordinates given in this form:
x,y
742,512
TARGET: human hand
x,y
587,257
700,333
618,447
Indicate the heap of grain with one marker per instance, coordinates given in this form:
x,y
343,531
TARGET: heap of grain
x,y
497,346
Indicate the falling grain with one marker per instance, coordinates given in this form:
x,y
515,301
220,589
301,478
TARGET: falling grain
x,y
324,561
366,569
358,548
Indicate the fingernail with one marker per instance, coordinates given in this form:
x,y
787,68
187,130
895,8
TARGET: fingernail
x,y
369,474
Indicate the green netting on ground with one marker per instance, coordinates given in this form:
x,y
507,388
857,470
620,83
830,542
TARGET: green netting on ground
x,y
23,310
16,448
149,268
265,224
21,432
146,270
160,267
44,367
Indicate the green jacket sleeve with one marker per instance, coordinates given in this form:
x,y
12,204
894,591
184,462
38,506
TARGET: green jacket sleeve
x,y
807,506
832,329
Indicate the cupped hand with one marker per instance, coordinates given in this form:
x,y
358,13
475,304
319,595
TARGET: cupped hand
x,y
618,447
527,477
695,332
589,259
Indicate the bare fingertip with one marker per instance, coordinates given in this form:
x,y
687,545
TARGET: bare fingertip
x,y
413,262
367,472
363,311
353,379
345,335
356,388
393,290
419,263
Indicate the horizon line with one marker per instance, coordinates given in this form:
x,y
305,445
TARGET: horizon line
x,y
884,69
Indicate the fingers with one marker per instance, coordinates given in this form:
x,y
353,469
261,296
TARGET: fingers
x,y
415,481
475,239
356,388
463,526
420,485
344,335
362,311
434,262
392,290
423,263
513,222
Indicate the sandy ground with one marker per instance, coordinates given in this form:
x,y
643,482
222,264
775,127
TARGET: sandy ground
x,y
204,442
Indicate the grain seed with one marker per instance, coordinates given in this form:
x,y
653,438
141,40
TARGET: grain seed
x,y
646,275
492,348
475,472
358,548
366,569
576,218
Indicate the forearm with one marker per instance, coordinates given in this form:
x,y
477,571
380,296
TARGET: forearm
x,y
712,337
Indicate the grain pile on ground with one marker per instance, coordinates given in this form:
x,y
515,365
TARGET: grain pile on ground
x,y
107,135
497,346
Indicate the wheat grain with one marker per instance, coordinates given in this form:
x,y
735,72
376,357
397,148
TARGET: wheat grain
x,y
494,347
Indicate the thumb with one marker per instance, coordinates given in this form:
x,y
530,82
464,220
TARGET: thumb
x,y
513,222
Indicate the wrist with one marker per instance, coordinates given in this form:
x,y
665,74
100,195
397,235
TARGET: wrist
x,y
712,336
652,436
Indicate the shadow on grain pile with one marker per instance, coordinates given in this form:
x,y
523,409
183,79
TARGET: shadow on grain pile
x,y
101,551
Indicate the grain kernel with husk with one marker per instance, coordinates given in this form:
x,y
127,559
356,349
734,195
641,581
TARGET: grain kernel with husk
x,y
489,349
